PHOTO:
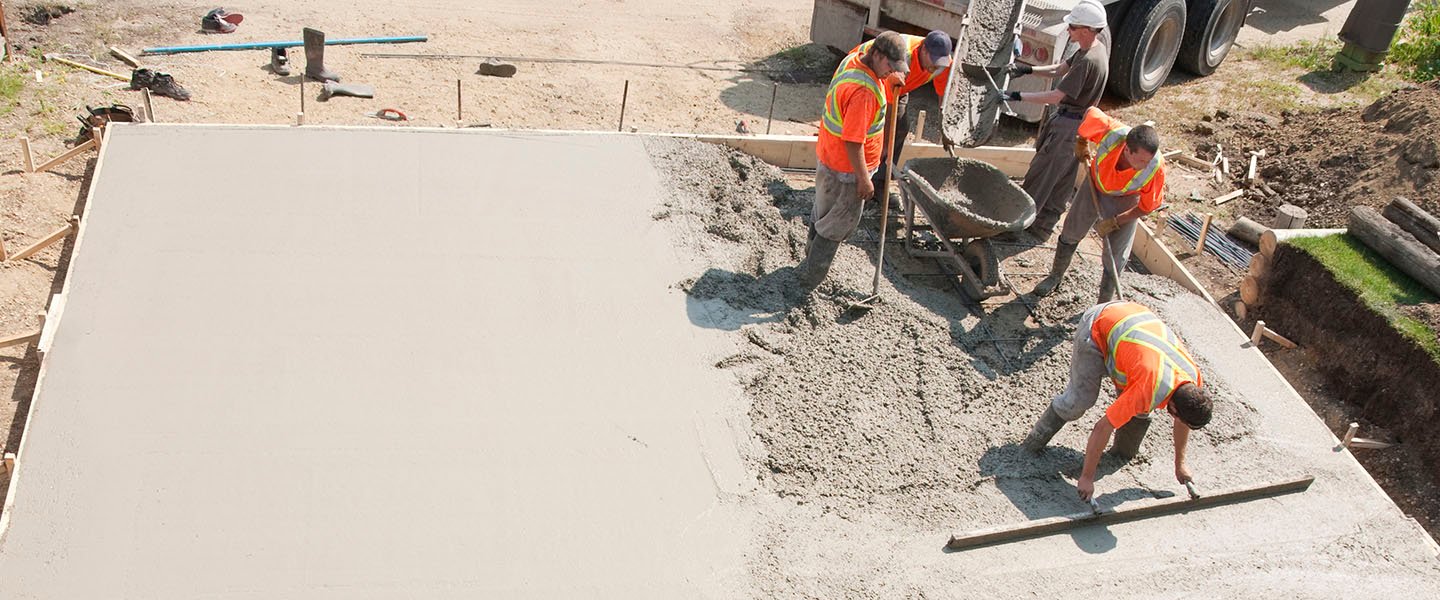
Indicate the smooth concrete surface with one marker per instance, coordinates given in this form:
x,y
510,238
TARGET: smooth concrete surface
x,y
310,363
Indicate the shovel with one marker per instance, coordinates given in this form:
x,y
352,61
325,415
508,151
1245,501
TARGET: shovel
x,y
883,196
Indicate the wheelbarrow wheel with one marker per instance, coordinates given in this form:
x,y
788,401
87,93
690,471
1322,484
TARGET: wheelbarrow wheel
x,y
982,260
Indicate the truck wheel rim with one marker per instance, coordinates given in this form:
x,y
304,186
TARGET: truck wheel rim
x,y
1227,27
1160,52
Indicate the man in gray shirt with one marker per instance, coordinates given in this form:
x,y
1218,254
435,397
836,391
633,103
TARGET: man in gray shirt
x,y
1050,181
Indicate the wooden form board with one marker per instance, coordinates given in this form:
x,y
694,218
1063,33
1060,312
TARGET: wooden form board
x,y
1159,260
1120,514
798,151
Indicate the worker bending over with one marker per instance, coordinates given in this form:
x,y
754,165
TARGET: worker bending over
x,y
849,148
1050,180
1126,181
929,63
1151,370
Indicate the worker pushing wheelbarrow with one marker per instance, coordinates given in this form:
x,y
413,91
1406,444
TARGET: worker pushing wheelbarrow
x,y
964,202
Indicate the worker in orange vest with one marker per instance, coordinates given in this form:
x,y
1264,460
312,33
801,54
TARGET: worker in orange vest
x,y
1126,181
929,64
848,150
1152,371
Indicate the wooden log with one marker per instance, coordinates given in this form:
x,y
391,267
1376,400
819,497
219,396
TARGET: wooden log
x,y
1139,510
27,154
1397,246
16,340
1246,230
1259,266
58,235
1290,216
1271,238
74,152
1250,291
1423,225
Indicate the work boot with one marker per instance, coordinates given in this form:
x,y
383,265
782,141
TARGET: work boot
x,y
280,62
817,261
1129,436
315,57
141,78
165,85
1064,253
1107,286
358,90
1044,429
493,67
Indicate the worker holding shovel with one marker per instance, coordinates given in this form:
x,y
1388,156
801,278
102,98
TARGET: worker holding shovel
x,y
929,65
849,149
1125,181
1152,371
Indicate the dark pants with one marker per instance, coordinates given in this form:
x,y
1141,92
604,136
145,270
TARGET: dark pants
x,y
1050,181
902,131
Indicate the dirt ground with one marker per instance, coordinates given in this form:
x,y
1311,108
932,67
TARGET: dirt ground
x,y
236,87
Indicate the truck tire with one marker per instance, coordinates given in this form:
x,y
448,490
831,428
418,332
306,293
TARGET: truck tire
x,y
1145,47
1210,33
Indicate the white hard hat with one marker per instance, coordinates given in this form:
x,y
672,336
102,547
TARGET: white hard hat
x,y
1088,13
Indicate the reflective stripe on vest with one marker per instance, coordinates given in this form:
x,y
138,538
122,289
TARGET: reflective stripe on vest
x,y
1171,359
914,42
851,75
1114,140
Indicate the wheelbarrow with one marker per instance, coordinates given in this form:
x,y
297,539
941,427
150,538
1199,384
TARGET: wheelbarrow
x,y
964,202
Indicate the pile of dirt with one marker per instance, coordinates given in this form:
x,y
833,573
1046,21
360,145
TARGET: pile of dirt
x,y
903,411
1330,160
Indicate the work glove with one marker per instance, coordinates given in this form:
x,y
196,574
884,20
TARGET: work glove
x,y
1082,149
1019,69
1106,226
948,144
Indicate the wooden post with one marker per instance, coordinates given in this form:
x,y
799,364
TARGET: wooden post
x,y
624,96
919,132
1204,230
1350,434
76,151
1250,290
29,158
774,89
150,110
874,19
57,235
1290,216
1259,331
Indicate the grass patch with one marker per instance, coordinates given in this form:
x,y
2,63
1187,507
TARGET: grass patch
x,y
1269,96
1417,49
1311,55
1380,286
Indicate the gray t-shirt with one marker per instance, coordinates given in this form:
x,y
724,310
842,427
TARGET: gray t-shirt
x,y
1085,82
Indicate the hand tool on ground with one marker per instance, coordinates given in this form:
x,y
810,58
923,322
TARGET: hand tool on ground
x,y
97,70
883,196
389,114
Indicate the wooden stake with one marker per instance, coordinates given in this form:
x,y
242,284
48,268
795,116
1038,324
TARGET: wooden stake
x,y
1129,512
1204,230
29,158
1191,161
920,126
1259,331
624,96
1279,339
76,151
1228,197
1350,434
150,110
9,464
1254,158
459,101
774,89
124,57
16,340
1369,444
58,235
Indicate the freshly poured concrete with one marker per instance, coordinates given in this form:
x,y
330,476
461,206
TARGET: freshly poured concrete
x,y
369,364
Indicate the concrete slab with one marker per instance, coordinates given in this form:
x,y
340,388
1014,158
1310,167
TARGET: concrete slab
x,y
309,363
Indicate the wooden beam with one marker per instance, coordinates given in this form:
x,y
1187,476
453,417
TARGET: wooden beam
x,y
798,151
18,339
58,235
76,151
125,57
1228,197
1123,513
1279,339
1159,260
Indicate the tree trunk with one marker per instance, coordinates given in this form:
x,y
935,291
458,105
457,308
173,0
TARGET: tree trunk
x,y
1290,216
1423,225
1397,246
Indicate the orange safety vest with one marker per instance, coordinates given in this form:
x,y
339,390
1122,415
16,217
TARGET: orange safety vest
x,y
1141,338
917,76
852,73
1111,143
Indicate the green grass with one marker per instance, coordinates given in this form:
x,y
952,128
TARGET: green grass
x,y
1311,55
1380,286
1416,50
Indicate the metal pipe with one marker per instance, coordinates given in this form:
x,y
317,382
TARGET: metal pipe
x,y
624,96
774,88
265,45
